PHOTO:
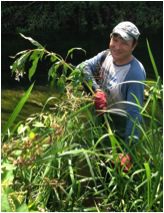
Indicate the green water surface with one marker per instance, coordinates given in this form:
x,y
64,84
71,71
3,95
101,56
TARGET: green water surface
x,y
10,98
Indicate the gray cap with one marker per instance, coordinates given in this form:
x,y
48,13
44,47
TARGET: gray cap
x,y
127,30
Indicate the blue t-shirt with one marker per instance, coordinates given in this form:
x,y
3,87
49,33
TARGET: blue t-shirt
x,y
122,85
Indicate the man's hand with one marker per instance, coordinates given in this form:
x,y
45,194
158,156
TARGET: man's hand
x,y
100,100
125,161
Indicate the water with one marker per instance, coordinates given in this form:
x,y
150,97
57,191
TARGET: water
x,y
10,98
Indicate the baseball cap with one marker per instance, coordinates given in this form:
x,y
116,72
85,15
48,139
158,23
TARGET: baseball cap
x,y
127,30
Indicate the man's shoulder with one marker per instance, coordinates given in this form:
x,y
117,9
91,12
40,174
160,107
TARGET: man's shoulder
x,y
137,64
104,53
137,69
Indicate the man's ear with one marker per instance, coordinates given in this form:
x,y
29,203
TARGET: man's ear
x,y
134,45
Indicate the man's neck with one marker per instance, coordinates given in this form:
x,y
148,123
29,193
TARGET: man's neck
x,y
124,61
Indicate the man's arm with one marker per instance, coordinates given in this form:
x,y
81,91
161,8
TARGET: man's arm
x,y
91,68
134,93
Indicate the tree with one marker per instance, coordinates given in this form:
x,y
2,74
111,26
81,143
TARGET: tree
x,y
90,15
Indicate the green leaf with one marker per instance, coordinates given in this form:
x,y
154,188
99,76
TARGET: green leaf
x,y
32,41
76,76
38,124
61,82
21,129
22,208
18,64
17,110
90,167
7,178
8,167
23,58
19,53
52,71
148,175
36,55
5,206
54,57
33,68
152,60
70,52
71,172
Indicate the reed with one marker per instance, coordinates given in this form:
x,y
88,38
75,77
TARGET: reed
x,y
60,159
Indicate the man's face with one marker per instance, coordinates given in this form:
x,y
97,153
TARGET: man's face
x,y
121,49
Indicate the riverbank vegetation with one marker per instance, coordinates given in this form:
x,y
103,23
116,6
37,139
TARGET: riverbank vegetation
x,y
91,16
53,24
61,159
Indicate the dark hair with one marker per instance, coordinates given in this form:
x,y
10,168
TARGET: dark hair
x,y
134,41
116,35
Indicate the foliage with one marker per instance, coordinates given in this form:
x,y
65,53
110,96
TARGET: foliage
x,y
57,16
63,160
17,110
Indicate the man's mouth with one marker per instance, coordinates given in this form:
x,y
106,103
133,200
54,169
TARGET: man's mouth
x,y
116,53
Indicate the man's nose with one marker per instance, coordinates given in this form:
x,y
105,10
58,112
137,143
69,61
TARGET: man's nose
x,y
117,46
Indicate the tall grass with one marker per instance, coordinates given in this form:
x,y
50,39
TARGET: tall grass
x,y
60,159
17,110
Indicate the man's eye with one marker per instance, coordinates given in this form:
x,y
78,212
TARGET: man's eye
x,y
115,39
125,43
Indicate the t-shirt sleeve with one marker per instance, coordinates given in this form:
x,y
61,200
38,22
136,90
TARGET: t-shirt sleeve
x,y
91,68
134,97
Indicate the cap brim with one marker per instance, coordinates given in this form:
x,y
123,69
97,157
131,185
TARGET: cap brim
x,y
123,34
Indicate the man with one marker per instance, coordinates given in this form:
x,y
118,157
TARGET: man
x,y
116,77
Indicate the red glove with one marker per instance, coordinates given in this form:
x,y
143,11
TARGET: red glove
x,y
125,161
100,100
